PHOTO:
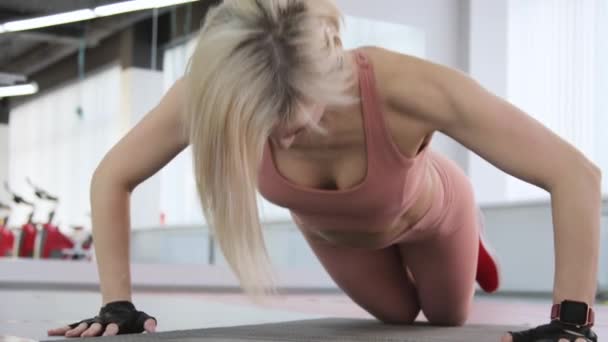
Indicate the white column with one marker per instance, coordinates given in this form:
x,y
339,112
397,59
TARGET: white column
x,y
440,20
552,72
488,65
142,91
179,200
58,149
3,160
601,100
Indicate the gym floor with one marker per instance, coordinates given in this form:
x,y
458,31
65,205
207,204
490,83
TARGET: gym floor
x,y
28,314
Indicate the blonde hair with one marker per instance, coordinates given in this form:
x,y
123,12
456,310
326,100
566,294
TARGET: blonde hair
x,y
255,65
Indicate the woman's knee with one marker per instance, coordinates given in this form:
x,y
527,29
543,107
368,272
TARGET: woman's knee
x,y
405,316
449,317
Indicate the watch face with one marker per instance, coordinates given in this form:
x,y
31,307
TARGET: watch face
x,y
573,312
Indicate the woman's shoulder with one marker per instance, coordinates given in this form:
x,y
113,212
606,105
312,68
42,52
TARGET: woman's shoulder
x,y
396,74
408,84
394,66
380,56
398,81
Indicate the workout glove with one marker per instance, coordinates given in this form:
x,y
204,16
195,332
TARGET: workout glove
x,y
553,332
121,313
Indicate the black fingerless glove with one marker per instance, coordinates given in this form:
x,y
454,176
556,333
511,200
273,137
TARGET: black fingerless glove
x,y
553,332
123,314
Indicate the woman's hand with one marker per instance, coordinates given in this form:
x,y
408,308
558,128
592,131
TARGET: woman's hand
x,y
114,318
552,332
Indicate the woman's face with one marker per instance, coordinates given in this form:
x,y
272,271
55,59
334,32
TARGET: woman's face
x,y
284,135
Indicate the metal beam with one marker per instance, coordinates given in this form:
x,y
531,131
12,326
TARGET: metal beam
x,y
4,111
39,58
10,79
48,54
10,14
41,36
64,34
23,9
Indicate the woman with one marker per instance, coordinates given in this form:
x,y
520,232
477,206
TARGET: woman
x,y
341,138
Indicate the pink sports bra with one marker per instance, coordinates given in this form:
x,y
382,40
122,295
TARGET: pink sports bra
x,y
390,187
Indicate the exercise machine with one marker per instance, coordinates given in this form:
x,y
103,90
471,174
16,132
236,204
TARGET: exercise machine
x,y
26,241
51,242
7,237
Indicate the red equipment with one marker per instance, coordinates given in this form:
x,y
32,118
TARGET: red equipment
x,y
7,238
52,242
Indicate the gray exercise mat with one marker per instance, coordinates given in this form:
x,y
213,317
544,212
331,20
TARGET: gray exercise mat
x,y
333,329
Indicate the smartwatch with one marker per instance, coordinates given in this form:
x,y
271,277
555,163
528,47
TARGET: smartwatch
x,y
573,313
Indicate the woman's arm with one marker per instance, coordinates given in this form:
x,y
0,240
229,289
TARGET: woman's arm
x,y
449,101
150,145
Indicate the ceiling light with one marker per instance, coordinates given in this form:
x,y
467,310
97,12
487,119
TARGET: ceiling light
x,y
50,20
18,90
135,5
87,14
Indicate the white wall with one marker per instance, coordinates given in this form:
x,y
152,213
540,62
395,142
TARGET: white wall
x,y
405,39
142,90
488,65
3,160
543,57
445,26
496,51
439,19
601,105
179,200
552,72
59,150
522,237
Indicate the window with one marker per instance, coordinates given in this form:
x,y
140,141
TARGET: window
x,y
556,71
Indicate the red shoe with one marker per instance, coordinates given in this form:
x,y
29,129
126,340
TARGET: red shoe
x,y
488,270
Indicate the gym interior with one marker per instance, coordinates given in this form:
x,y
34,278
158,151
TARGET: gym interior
x,y
70,89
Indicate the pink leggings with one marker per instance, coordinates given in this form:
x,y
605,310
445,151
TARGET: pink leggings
x,y
430,268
